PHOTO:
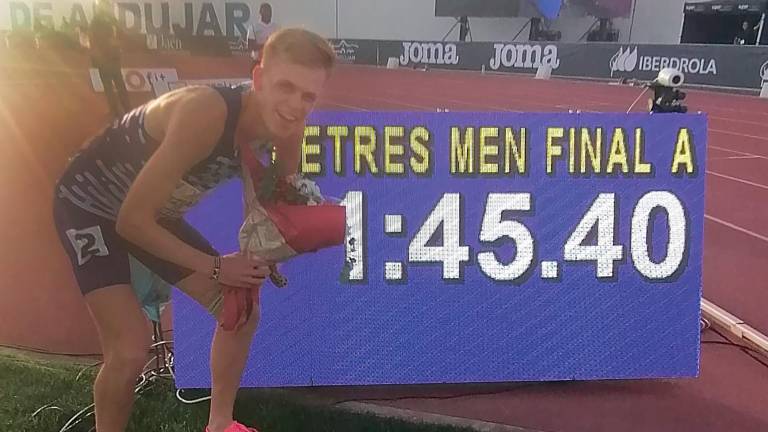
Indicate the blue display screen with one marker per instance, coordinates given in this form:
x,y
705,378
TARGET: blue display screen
x,y
482,247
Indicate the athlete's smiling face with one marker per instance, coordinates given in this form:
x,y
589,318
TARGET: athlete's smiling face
x,y
288,93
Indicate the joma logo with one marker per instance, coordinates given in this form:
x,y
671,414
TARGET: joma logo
x,y
429,53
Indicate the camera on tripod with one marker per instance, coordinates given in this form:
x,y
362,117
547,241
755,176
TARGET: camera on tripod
x,y
667,96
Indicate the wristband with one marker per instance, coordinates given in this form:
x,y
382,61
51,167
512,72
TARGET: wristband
x,y
216,273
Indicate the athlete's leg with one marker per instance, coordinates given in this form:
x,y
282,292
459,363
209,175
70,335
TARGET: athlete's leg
x,y
229,353
229,349
101,267
125,340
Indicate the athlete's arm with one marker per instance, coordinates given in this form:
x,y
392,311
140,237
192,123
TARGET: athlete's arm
x,y
192,127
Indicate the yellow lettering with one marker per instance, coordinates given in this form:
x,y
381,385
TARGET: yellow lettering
x,y
683,157
595,152
461,153
618,153
489,147
365,145
641,167
393,146
554,149
338,133
309,149
512,150
571,150
419,141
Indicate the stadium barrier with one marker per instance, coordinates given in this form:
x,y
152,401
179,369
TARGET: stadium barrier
x,y
729,66
711,65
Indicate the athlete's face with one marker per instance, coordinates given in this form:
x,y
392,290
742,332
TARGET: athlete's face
x,y
288,93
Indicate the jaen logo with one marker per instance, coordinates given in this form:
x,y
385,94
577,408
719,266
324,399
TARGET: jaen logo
x,y
624,61
346,51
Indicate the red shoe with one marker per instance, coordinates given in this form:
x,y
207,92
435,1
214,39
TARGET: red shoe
x,y
236,427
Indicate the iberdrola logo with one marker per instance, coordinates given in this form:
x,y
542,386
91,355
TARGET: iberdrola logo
x,y
624,61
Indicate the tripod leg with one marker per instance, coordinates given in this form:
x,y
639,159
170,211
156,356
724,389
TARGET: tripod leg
x,y
449,31
521,30
469,31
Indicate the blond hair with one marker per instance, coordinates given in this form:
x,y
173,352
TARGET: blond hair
x,y
300,46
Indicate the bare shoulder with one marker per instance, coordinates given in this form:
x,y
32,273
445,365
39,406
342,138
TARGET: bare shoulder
x,y
196,107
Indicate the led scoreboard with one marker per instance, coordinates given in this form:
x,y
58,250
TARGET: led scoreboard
x,y
481,247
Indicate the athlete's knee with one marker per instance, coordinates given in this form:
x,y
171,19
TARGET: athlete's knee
x,y
128,355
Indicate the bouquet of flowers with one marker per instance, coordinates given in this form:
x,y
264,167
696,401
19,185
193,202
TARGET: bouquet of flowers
x,y
285,217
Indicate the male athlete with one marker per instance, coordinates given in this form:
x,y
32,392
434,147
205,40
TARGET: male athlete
x,y
126,193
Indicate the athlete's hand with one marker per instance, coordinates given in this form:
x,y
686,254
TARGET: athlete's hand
x,y
240,271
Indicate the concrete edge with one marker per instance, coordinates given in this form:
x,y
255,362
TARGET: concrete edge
x,y
410,416
37,355
424,417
